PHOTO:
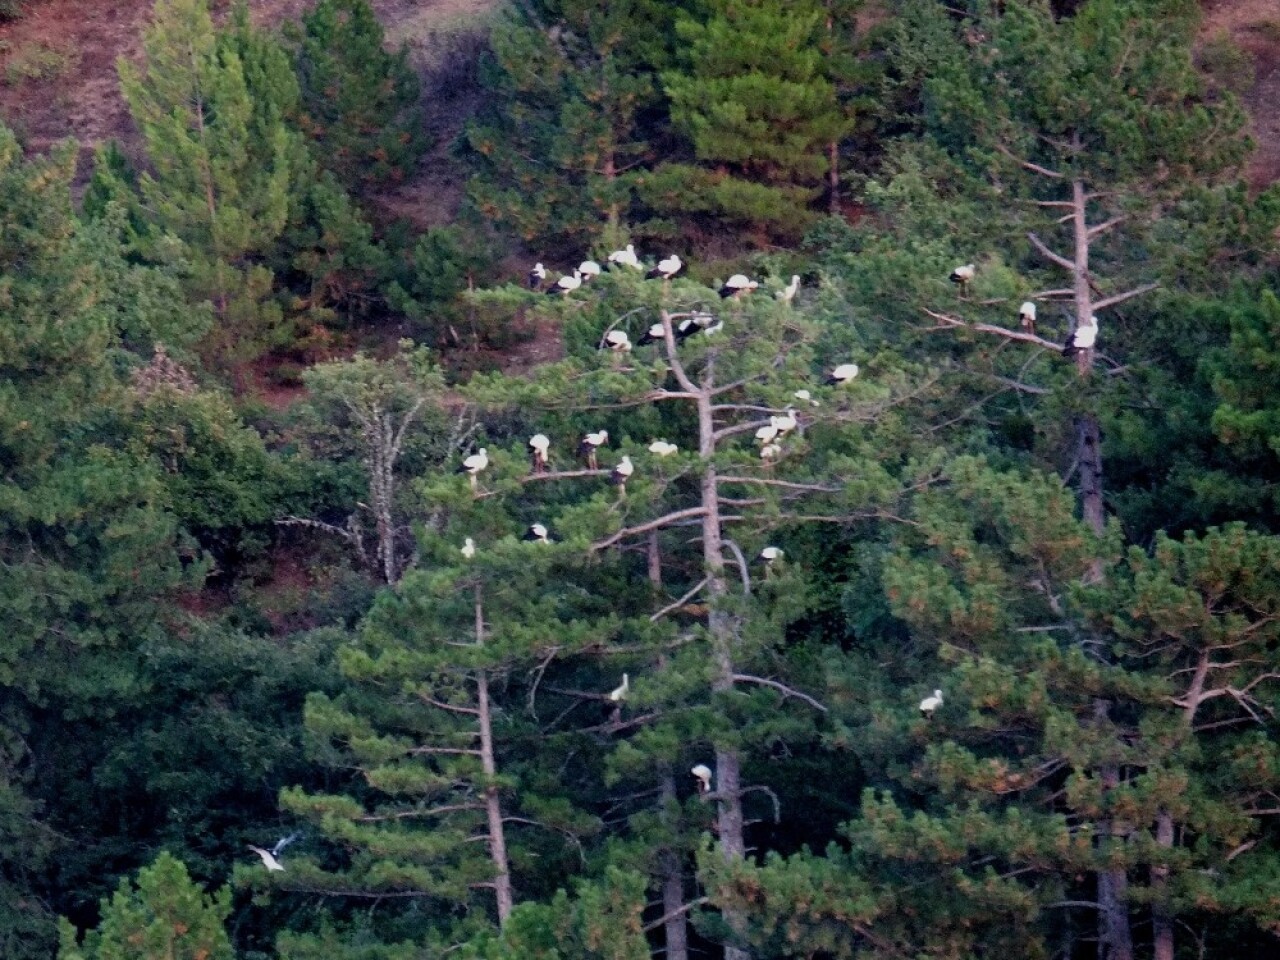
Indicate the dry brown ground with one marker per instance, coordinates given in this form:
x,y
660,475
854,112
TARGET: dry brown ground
x,y
80,97
1255,26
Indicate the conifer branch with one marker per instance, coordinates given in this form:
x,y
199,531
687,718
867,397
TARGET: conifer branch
x,y
781,688
672,914
1122,297
1028,165
660,522
784,484
654,618
1093,231
950,321
1055,257
742,564
563,475
454,708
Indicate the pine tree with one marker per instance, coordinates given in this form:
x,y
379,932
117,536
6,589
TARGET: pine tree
x,y
87,550
165,916
359,103
221,160
572,86
752,98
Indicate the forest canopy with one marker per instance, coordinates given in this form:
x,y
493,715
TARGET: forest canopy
x,y
715,478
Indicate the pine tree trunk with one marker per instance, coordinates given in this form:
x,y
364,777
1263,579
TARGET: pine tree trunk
x,y
728,787
1161,920
1115,938
676,924
492,802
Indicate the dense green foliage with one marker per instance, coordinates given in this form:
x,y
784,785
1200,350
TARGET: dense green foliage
x,y
971,652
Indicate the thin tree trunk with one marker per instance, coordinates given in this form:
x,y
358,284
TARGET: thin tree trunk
x,y
1088,433
1161,919
676,925
1115,938
728,787
492,802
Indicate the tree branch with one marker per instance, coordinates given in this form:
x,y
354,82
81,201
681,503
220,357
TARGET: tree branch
x,y
681,602
1028,165
1122,297
1055,257
1092,232
650,525
780,687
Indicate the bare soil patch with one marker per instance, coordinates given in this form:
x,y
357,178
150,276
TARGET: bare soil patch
x,y
1254,25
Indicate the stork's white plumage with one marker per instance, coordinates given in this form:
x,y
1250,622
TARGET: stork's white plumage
x,y
619,693
702,773
652,335
539,449
1084,338
622,471
537,533
566,284
930,704
770,554
271,858
736,285
771,451
588,269
537,276
785,423
625,258
474,465
961,275
1027,316
468,548
768,433
590,444
662,449
618,341
788,293
807,397
666,269
845,373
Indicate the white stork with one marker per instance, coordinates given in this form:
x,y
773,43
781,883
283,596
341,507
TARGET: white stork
x,y
617,341
474,465
539,448
1027,316
842,375
662,449
962,275
621,473
788,293
619,693
625,258
271,858
588,270
537,533
566,284
770,554
468,548
1084,337
807,397
737,285
666,269
702,773
930,704
592,442
537,276
785,423
652,335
